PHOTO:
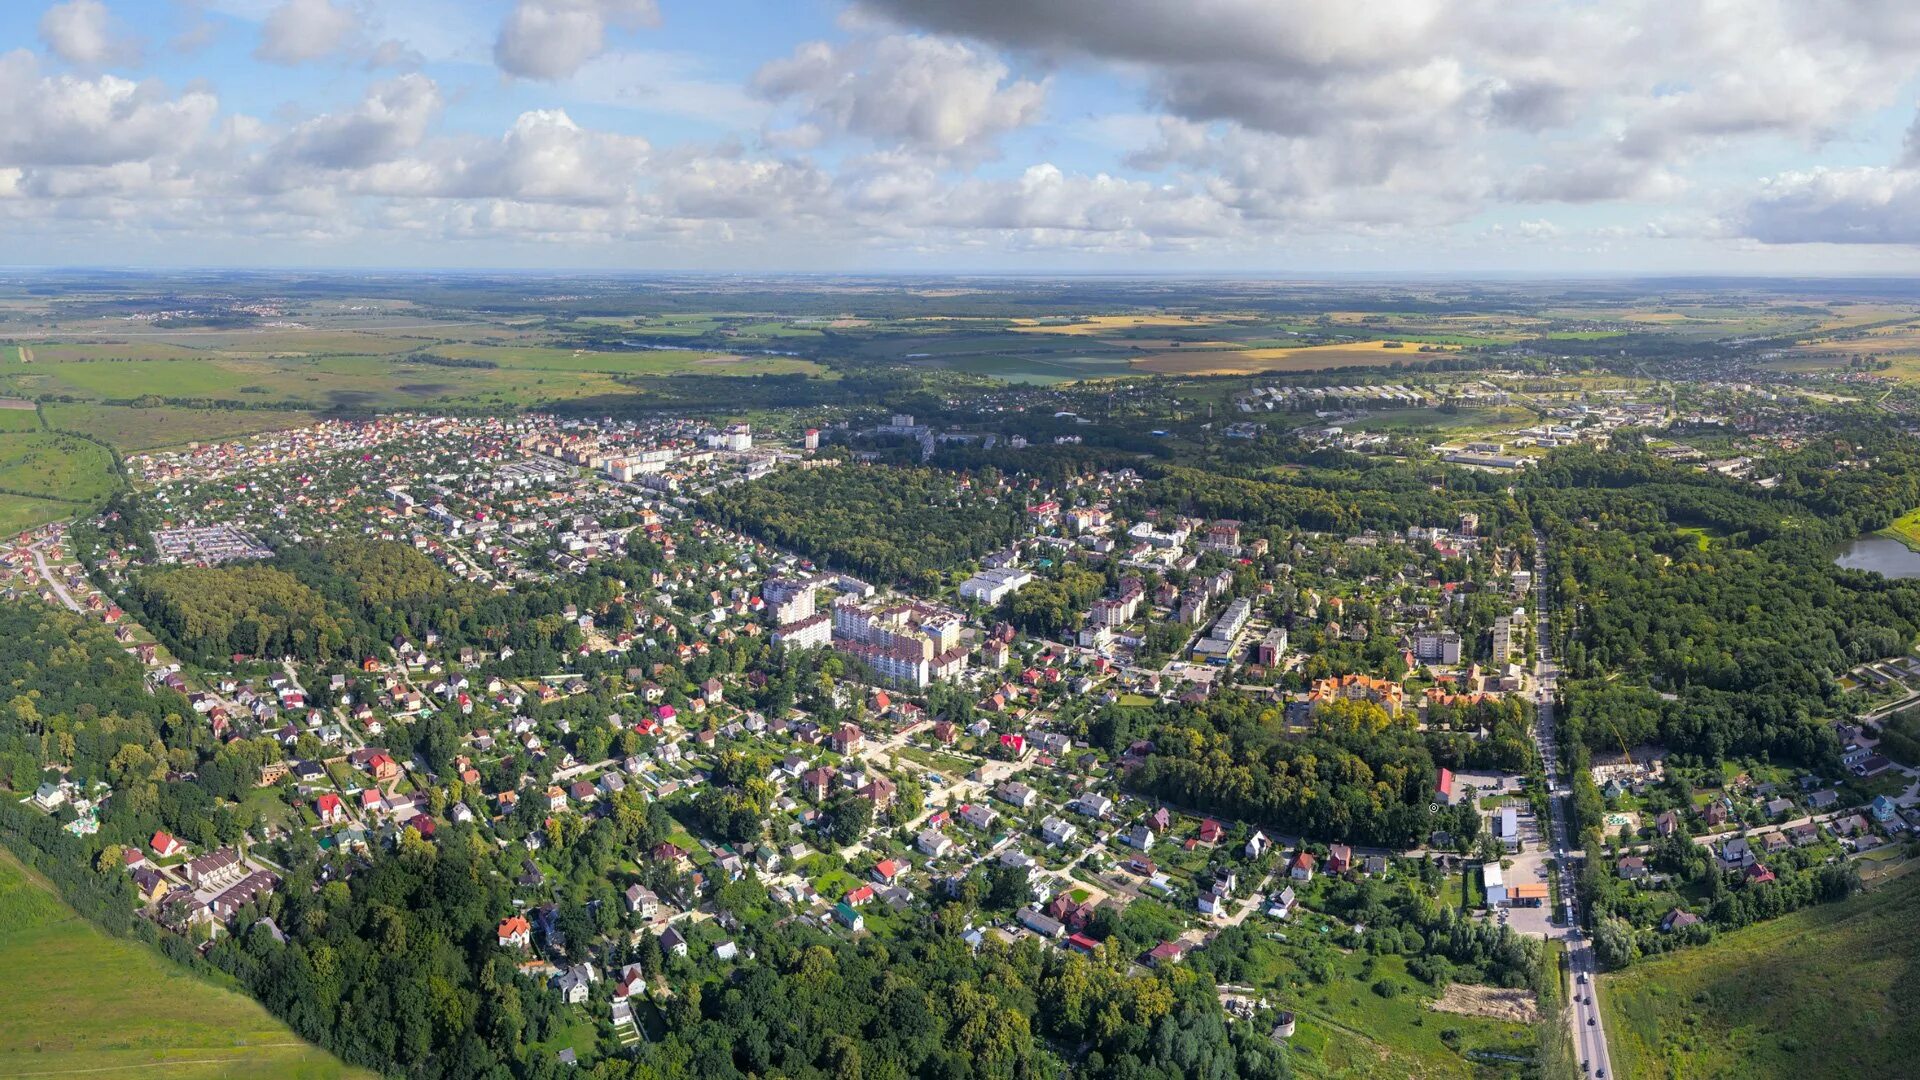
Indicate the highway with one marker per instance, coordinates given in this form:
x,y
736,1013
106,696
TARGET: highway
x,y
1589,1029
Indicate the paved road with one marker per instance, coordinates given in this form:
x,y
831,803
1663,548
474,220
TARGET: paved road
x,y
53,580
1589,1030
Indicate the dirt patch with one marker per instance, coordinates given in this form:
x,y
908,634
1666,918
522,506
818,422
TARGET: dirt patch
x,y
1494,1003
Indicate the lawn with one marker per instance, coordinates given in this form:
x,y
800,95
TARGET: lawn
x,y
130,429
1829,991
77,1001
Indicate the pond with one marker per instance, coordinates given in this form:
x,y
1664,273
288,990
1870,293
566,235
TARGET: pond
x,y
1880,554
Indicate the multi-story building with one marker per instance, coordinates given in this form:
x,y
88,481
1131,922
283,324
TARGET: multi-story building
x,y
1437,646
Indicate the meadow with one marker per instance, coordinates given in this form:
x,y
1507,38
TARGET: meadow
x,y
55,466
79,1002
1347,1029
1828,991
131,429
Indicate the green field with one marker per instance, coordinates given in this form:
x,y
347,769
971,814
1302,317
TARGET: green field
x,y
19,420
1906,529
1829,991
1347,1030
77,1002
647,362
46,477
130,429
55,466
20,512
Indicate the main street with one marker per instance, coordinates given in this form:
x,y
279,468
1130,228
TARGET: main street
x,y
1589,1029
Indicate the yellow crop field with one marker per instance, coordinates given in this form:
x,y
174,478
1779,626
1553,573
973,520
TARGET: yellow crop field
x,y
1093,325
1306,358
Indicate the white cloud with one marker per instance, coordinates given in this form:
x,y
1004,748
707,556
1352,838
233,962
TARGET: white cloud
x,y
107,120
302,30
551,39
84,32
912,90
1864,205
392,120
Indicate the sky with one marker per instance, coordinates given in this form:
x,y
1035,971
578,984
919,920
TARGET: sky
x,y
1560,137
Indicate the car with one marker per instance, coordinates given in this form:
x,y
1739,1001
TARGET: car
x,y
1590,1021
1583,975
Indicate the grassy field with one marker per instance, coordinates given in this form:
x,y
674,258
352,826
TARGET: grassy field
x,y
1347,1030
1831,991
46,477
56,467
17,419
648,362
78,1002
20,512
1906,529
130,429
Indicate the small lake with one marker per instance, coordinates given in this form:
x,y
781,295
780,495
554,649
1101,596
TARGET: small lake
x,y
1880,554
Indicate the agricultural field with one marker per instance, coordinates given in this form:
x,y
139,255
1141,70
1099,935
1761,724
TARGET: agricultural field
x,y
131,429
78,1002
1096,325
19,416
1829,991
1380,353
645,362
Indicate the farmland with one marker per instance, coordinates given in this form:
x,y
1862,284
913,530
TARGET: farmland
x,y
78,1001
1828,991
1378,353
131,429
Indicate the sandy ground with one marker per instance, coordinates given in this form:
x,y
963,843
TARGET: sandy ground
x,y
1513,1006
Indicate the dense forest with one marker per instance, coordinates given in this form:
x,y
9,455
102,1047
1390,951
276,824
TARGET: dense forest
x,y
895,524
1742,626
1356,775
349,600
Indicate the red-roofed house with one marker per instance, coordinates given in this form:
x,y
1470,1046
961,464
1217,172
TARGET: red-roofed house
x,y
1339,859
331,810
165,846
516,932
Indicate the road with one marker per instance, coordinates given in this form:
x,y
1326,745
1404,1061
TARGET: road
x,y
53,580
1589,1029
